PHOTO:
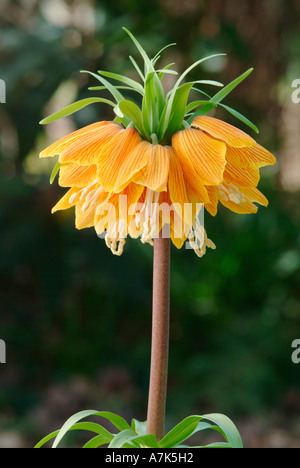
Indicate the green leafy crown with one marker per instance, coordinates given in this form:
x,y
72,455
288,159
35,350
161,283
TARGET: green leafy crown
x,y
160,114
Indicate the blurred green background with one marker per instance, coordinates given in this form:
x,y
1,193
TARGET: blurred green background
x,y
76,319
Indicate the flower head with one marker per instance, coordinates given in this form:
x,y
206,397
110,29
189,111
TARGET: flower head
x,y
156,167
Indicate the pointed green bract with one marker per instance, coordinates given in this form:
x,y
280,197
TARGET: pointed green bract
x,y
162,50
75,107
148,64
131,83
157,112
177,110
137,67
241,117
133,112
54,172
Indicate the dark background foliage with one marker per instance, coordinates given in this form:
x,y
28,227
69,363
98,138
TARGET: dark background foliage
x,y
77,320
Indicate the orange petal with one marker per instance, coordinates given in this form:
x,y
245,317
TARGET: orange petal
x,y
84,219
240,208
131,195
74,174
61,145
254,195
201,154
64,202
241,176
178,236
106,215
254,157
132,164
177,187
87,149
212,206
155,174
232,136
113,155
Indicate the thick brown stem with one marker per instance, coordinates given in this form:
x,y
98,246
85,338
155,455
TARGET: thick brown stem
x,y
160,338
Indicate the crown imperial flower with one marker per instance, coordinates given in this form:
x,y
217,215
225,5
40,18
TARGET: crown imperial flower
x,y
156,166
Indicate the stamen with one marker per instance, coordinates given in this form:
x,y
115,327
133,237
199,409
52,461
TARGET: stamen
x,y
96,195
84,193
231,193
73,198
90,195
85,206
115,237
149,225
86,190
198,239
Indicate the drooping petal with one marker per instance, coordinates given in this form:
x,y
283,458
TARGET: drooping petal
x,y
220,130
254,195
106,215
61,145
64,202
245,177
86,150
177,188
241,208
254,157
178,231
77,175
200,154
128,199
84,218
212,205
132,164
155,174
113,155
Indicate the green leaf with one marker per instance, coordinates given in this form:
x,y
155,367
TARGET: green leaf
x,y
230,431
213,445
193,424
180,433
111,88
123,79
147,440
162,50
137,67
230,87
164,70
87,426
139,427
210,82
216,445
201,92
46,439
203,111
159,95
102,88
187,71
97,441
164,122
177,111
148,64
76,106
133,112
54,172
241,117
220,95
122,438
118,422
148,105
192,105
